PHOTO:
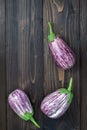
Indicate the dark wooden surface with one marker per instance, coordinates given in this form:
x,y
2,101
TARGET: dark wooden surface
x,y
2,67
83,77
26,61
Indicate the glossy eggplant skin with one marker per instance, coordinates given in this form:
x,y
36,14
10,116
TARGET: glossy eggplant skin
x,y
56,104
62,53
21,105
63,56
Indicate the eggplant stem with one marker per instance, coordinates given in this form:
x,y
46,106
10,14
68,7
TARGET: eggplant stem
x,y
50,27
35,123
70,85
51,36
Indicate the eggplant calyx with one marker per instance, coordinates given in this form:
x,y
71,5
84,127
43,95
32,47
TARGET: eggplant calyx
x,y
51,36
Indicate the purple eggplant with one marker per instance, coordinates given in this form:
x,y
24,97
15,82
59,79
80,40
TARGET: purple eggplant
x,y
21,105
62,53
56,104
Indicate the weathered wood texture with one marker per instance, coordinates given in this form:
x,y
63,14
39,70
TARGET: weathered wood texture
x,y
83,40
65,18
26,61
24,56
2,67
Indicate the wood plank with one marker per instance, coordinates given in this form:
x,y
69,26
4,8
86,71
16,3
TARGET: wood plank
x,y
65,18
83,77
24,56
2,67
12,59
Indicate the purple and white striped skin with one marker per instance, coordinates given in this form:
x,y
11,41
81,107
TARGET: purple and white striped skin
x,y
21,105
62,53
19,102
55,104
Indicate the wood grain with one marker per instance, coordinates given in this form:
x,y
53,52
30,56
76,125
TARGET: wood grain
x,y
83,39
64,16
26,61
2,67
12,59
24,56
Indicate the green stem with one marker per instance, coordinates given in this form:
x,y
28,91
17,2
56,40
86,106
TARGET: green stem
x,y
35,123
29,116
51,36
50,27
70,85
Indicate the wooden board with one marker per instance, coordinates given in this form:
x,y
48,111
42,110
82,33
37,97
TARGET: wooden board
x,y
64,16
26,61
24,56
83,42
2,67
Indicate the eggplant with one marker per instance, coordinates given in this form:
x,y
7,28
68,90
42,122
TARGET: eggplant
x,y
63,55
56,104
21,105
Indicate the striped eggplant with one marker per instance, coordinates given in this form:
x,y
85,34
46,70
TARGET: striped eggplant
x,y
62,53
21,105
56,104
